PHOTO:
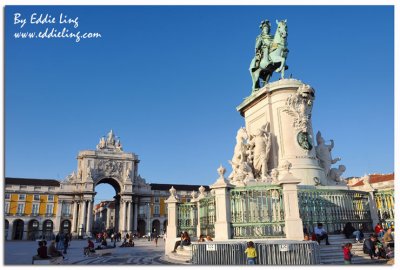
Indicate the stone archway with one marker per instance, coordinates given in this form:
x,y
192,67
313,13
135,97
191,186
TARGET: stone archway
x,y
107,164
47,229
18,229
33,230
65,226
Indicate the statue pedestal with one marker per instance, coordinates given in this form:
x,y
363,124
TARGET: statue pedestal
x,y
286,104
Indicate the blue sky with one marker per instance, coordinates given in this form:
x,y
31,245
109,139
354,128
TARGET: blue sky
x,y
167,80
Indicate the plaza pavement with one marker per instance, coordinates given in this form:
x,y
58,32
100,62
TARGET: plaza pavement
x,y
144,252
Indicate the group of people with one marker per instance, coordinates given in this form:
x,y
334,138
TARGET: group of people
x,y
62,241
128,240
185,240
380,249
375,248
44,252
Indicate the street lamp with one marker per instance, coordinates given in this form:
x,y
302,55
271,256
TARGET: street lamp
x,y
148,222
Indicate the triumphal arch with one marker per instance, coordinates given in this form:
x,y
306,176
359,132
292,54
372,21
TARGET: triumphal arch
x,y
107,164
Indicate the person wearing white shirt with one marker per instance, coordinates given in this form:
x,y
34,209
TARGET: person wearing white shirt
x,y
321,234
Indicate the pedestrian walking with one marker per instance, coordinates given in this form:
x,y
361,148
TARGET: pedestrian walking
x,y
66,244
251,253
156,240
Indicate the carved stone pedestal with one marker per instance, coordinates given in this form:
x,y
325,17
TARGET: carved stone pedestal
x,y
286,105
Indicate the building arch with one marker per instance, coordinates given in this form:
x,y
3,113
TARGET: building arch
x,y
65,226
155,227
18,229
33,230
47,229
6,227
111,181
165,225
141,227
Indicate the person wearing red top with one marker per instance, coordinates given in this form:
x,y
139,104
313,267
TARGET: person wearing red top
x,y
347,253
379,230
89,248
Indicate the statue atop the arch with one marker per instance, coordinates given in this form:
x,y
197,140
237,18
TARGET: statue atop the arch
x,y
111,143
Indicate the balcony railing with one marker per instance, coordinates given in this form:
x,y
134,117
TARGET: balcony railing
x,y
64,215
49,215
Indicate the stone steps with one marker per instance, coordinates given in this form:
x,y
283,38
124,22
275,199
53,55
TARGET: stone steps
x,y
181,256
333,254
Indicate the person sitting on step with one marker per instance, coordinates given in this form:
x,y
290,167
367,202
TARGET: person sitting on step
x,y
321,234
185,241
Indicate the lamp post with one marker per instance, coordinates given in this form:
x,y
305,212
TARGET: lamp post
x,y
148,222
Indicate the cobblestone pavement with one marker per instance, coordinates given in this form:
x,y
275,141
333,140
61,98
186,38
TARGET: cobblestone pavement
x,y
144,252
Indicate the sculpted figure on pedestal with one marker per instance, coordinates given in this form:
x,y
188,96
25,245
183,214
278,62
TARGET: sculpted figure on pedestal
x,y
239,154
270,54
111,138
261,145
324,155
118,145
102,144
335,173
244,173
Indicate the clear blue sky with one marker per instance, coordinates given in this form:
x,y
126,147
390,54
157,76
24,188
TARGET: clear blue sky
x,y
167,80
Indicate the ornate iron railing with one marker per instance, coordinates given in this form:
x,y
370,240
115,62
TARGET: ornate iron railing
x,y
384,200
207,216
187,218
257,211
334,208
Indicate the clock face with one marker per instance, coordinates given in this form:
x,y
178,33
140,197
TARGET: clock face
x,y
304,140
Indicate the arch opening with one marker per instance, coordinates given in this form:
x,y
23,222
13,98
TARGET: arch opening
x,y
18,229
33,230
105,212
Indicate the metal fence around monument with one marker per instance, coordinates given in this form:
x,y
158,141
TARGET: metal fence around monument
x,y
257,212
334,208
271,252
384,200
187,218
207,216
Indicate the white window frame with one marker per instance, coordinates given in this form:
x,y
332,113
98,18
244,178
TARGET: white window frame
x,y
7,208
35,206
35,198
18,208
23,197
49,206
66,209
7,195
52,198
156,209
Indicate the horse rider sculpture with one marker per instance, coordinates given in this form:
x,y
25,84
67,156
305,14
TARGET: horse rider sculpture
x,y
270,54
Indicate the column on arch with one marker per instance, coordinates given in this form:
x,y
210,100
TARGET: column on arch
x,y
89,215
129,218
122,216
74,217
83,216
135,215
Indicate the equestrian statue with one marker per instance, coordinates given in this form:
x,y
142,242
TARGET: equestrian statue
x,y
270,54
